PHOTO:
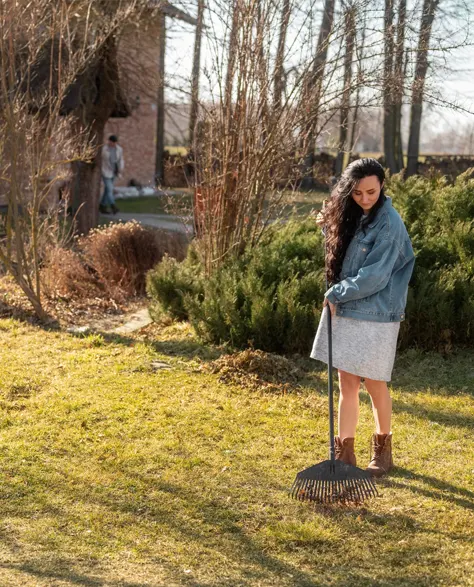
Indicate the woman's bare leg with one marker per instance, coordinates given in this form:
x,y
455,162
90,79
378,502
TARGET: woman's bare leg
x,y
348,404
381,404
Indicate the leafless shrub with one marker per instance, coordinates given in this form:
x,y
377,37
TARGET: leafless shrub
x,y
121,255
109,262
65,275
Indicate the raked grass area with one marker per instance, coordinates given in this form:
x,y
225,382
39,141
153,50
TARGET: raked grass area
x,y
115,474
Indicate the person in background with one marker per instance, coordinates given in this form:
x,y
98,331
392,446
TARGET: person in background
x,y
112,167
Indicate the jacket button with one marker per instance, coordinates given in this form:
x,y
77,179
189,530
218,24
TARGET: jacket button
x,y
364,249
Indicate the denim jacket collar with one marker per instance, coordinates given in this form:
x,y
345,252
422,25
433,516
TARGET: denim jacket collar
x,y
387,204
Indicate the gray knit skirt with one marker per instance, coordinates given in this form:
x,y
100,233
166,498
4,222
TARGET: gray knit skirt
x,y
359,347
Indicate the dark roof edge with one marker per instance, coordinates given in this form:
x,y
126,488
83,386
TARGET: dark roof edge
x,y
173,11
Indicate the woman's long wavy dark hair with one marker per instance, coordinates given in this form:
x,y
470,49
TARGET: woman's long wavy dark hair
x,y
343,215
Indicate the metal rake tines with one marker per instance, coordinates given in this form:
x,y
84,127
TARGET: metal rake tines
x,y
333,482
350,490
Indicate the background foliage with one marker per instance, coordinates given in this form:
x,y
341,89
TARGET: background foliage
x,y
271,296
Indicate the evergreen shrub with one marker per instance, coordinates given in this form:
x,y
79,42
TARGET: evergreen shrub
x,y
440,220
271,297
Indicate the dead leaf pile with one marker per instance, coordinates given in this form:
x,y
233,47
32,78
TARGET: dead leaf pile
x,y
256,370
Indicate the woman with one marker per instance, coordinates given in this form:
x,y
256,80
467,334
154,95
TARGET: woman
x,y
369,260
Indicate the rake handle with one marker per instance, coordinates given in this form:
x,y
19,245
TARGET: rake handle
x,y
332,449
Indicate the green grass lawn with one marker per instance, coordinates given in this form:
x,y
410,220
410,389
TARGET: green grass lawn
x,y
299,202
157,204
117,475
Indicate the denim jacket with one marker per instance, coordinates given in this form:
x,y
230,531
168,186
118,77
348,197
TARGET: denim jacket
x,y
376,270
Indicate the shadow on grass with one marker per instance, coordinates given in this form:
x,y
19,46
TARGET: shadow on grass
x,y
186,514
69,575
255,563
439,489
442,418
440,374
185,349
28,316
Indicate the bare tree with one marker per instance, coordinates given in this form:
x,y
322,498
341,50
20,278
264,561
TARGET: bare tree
x,y
350,35
312,93
41,56
399,85
421,69
279,73
196,70
96,94
389,119
360,46
160,103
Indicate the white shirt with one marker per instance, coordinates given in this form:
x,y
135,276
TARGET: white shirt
x,y
107,168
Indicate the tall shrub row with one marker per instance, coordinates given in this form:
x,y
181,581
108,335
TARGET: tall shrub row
x,y
271,297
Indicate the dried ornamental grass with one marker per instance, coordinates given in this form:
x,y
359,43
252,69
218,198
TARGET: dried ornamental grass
x,y
65,275
121,254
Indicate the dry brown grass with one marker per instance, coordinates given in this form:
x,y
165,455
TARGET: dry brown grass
x,y
111,262
65,276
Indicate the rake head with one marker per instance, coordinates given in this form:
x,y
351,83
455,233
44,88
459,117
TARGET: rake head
x,y
333,481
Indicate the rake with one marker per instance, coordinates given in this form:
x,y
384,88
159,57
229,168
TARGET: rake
x,y
332,481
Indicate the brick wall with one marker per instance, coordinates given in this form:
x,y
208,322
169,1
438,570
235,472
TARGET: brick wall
x,y
136,135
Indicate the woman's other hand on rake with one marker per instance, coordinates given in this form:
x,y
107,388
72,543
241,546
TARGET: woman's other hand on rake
x,y
332,306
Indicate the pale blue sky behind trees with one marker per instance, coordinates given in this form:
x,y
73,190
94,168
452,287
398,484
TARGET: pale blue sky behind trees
x,y
451,74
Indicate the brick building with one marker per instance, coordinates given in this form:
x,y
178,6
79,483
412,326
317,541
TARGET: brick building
x,y
136,101
137,136
139,58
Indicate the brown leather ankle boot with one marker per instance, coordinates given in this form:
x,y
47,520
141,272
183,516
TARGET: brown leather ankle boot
x,y
345,450
381,462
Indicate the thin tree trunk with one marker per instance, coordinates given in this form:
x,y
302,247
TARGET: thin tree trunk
x,y
232,122
314,93
231,58
86,192
160,104
388,104
355,114
349,33
86,175
421,69
279,73
399,75
193,115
